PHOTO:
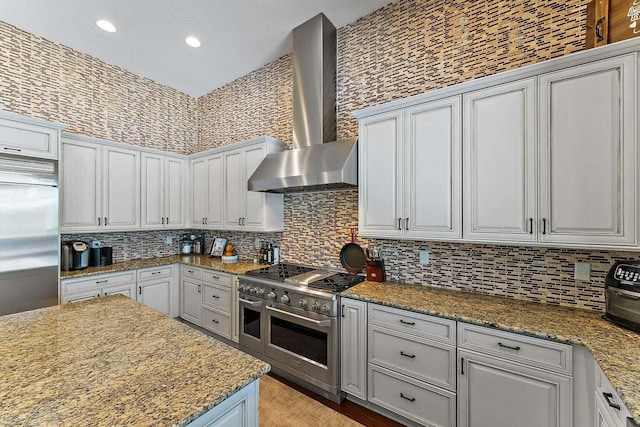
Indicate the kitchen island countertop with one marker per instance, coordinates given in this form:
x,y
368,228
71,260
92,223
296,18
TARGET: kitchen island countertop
x,y
202,261
113,361
617,350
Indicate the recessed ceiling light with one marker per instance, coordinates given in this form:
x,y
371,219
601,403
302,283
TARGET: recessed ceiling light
x,y
106,26
192,41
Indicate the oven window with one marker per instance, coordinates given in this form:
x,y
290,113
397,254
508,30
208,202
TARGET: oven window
x,y
251,325
299,340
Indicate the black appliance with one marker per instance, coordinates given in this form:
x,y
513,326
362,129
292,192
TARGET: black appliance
x,y
75,256
99,257
622,294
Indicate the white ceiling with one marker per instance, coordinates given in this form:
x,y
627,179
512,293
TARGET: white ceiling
x,y
238,36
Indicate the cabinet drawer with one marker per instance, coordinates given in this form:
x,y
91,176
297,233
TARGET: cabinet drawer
x,y
217,297
519,348
217,278
96,282
610,399
424,360
80,297
418,401
217,322
27,139
191,272
431,327
154,273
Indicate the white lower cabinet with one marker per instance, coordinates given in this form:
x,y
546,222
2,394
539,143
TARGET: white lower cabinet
x,y
156,287
411,369
353,342
506,379
206,299
610,409
85,288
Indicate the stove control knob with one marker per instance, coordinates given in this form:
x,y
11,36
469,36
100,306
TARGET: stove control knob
x,y
315,306
284,299
271,296
241,288
326,309
302,303
260,293
253,291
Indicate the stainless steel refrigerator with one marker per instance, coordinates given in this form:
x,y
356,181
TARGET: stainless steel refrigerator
x,y
29,240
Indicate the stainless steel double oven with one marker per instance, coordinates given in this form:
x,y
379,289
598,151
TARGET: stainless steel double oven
x,y
294,328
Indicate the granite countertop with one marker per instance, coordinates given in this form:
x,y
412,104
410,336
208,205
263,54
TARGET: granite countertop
x,y
202,261
113,361
617,350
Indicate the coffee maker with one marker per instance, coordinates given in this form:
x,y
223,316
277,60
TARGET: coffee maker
x,y
74,255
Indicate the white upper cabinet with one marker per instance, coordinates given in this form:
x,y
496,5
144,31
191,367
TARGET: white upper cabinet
x,y
220,198
108,186
80,185
121,188
163,187
432,170
380,175
546,155
409,172
588,161
26,136
500,163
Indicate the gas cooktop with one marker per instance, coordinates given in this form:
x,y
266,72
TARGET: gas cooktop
x,y
322,280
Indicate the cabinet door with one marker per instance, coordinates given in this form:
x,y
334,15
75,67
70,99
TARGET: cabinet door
x,y
199,191
432,167
216,192
121,188
174,192
235,189
191,300
156,294
127,289
353,342
499,163
27,139
80,178
152,190
254,203
496,393
588,155
380,175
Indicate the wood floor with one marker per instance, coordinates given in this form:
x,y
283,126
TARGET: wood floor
x,y
347,408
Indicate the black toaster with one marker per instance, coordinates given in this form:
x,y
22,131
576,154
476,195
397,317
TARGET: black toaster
x,y
622,294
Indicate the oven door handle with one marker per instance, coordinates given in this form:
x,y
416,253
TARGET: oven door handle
x,y
251,303
321,323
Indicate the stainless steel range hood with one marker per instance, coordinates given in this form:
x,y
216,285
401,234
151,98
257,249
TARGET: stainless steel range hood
x,y
316,162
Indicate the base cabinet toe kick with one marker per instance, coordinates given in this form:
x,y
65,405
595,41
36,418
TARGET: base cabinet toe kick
x,y
430,371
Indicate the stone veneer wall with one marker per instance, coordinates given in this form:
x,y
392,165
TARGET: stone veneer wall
x,y
403,49
40,78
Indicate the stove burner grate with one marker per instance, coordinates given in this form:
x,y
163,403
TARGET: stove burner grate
x,y
337,283
279,272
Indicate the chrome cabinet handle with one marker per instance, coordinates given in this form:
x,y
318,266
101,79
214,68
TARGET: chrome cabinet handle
x,y
608,397
509,347
407,323
530,225
410,356
322,323
410,399
251,303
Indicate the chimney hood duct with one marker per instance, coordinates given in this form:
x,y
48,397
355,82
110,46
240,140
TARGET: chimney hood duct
x,y
317,162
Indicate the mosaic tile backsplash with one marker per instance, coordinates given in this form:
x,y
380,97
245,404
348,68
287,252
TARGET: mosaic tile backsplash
x,y
405,48
40,78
